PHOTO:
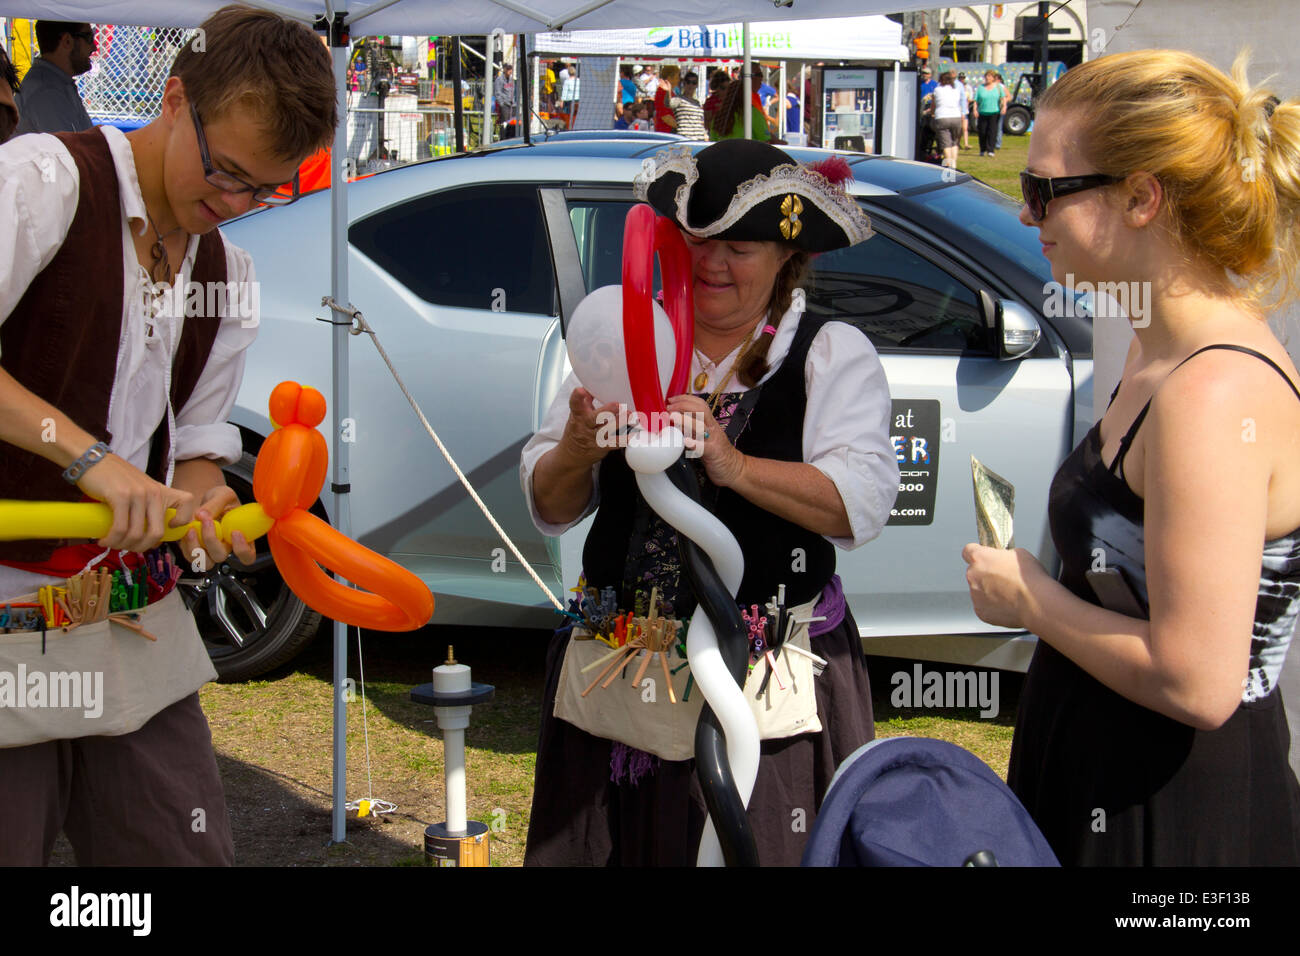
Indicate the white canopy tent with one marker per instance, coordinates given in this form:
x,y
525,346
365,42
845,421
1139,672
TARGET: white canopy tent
x,y
338,19
840,38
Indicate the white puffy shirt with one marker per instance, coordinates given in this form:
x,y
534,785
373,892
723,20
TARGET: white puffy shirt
x,y
845,428
40,182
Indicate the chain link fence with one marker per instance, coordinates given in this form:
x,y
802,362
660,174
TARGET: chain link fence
x,y
125,85
131,64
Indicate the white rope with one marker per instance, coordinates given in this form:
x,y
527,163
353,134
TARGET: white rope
x,y
364,326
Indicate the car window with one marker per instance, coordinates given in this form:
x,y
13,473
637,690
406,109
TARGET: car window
x,y
598,230
990,217
900,299
481,247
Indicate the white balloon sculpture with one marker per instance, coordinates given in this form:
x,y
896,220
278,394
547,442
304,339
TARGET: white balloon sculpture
x,y
597,353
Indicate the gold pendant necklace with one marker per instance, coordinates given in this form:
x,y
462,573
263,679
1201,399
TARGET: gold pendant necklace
x,y
701,380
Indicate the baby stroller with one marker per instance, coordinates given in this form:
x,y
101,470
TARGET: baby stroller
x,y
908,801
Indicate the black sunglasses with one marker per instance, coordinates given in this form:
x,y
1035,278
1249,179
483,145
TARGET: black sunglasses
x,y
229,183
1039,190
87,35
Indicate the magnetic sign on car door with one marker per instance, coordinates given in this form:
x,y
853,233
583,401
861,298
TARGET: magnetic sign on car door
x,y
914,432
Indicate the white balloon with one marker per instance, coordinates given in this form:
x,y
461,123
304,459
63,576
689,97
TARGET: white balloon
x,y
595,344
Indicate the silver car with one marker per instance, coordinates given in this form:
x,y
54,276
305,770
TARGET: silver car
x,y
469,267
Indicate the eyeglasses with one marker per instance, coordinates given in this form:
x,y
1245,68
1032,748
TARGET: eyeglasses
x,y
229,183
1039,190
87,35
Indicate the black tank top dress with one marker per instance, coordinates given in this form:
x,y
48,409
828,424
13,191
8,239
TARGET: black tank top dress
x,y
1111,783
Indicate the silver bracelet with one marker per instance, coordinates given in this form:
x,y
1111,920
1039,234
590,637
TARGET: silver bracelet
x,y
93,455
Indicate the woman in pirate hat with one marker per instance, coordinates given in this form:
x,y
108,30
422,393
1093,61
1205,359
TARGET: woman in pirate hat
x,y
789,414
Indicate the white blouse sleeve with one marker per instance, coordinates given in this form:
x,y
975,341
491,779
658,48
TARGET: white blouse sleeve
x,y
547,437
202,429
39,186
846,428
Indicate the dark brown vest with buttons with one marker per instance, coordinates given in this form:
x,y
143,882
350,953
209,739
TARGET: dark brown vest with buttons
x,y
61,340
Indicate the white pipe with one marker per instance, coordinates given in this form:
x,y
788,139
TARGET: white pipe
x,y
453,755
748,90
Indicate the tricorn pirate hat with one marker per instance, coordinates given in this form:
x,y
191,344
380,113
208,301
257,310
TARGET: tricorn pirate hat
x,y
746,190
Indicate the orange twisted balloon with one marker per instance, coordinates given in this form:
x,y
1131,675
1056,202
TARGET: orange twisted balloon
x,y
287,480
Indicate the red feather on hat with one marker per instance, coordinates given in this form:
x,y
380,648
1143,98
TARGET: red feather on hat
x,y
834,169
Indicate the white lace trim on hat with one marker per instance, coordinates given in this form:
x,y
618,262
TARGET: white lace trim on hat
x,y
839,206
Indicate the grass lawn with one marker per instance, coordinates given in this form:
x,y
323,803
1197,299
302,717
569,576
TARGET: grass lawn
x,y
1001,171
273,742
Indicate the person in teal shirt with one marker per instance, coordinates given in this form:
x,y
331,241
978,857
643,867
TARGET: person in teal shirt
x,y
990,104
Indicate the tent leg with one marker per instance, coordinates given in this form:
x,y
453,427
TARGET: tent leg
x,y
339,403
458,105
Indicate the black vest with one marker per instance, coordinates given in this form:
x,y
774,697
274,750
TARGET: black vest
x,y
776,551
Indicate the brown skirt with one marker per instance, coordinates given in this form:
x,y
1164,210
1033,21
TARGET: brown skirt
x,y
581,818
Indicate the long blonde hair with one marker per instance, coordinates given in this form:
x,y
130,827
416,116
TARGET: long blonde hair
x,y
1226,154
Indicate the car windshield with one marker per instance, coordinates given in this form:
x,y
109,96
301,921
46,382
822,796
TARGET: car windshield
x,y
991,217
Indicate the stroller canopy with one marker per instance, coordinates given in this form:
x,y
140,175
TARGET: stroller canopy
x,y
908,801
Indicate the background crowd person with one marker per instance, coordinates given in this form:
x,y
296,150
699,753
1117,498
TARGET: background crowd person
x,y
688,110
990,105
641,112
49,101
1151,730
967,110
665,120
948,106
717,83
728,118
627,88
503,96
925,142
648,81
8,87
1006,100
569,91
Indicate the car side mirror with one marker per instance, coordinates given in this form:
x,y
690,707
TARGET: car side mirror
x,y
1014,330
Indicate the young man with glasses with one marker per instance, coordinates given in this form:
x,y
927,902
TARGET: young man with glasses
x,y
116,387
49,101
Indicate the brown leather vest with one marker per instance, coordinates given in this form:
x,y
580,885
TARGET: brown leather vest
x,y
61,340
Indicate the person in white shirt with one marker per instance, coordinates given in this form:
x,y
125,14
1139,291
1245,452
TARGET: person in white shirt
x,y
949,107
137,418
780,464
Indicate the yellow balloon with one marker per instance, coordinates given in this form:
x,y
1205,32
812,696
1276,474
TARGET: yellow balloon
x,y
20,520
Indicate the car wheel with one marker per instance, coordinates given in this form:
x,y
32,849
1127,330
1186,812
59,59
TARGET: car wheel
x,y
1016,122
249,619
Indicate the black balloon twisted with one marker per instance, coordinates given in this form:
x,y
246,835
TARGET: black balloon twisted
x,y
721,795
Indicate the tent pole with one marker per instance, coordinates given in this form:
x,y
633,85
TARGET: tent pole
x,y
780,108
523,90
339,46
893,114
803,113
485,138
458,106
748,90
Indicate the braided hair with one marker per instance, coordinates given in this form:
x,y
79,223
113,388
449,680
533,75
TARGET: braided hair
x,y
753,364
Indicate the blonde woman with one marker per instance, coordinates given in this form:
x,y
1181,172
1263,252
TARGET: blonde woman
x,y
1150,729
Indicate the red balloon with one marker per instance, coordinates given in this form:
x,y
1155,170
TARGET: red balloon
x,y
644,234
